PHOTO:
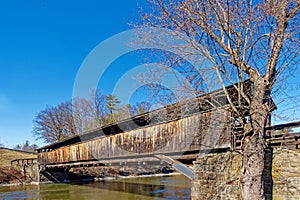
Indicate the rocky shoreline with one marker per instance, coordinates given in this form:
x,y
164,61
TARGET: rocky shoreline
x,y
10,176
96,179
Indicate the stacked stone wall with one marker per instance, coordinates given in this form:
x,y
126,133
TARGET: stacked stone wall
x,y
29,171
217,175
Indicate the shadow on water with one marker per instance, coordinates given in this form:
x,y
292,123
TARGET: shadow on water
x,y
162,187
170,187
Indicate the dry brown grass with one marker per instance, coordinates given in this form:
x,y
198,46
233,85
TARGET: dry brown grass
x,y
8,155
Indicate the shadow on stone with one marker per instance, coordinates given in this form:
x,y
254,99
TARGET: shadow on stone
x,y
268,181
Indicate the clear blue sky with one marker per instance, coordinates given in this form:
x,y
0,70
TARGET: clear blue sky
x,y
42,45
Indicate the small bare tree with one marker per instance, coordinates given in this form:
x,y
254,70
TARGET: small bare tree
x,y
243,39
141,107
55,123
100,110
83,114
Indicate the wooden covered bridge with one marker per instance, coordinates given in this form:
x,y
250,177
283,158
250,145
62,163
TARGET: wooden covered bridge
x,y
178,132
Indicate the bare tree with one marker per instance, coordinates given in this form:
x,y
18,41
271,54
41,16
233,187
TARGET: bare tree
x,y
67,119
100,109
54,123
26,146
243,39
18,147
83,112
142,107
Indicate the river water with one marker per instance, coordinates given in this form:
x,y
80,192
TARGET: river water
x,y
159,187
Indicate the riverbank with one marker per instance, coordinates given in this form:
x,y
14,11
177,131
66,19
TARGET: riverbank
x,y
11,176
7,155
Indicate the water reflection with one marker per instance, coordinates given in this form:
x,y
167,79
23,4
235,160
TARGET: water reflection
x,y
170,187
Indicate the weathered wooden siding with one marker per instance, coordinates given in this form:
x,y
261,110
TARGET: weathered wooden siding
x,y
200,131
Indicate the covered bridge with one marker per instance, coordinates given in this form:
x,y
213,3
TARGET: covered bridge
x,y
181,131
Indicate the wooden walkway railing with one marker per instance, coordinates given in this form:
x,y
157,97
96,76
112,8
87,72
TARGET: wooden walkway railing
x,y
22,162
278,135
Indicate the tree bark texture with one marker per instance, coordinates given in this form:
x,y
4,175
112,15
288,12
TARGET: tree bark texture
x,y
254,148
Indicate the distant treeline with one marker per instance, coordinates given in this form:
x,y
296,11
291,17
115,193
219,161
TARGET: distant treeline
x,y
26,146
73,117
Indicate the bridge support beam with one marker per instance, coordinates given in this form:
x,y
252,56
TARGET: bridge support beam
x,y
180,167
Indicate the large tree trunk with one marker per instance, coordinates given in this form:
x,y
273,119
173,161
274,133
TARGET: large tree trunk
x,y
252,170
253,149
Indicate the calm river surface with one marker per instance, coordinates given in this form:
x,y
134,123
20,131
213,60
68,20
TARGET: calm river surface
x,y
166,187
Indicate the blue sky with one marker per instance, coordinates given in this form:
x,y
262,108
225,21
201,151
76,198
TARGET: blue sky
x,y
42,45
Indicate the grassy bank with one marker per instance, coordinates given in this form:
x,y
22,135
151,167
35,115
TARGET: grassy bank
x,y
7,155
8,174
